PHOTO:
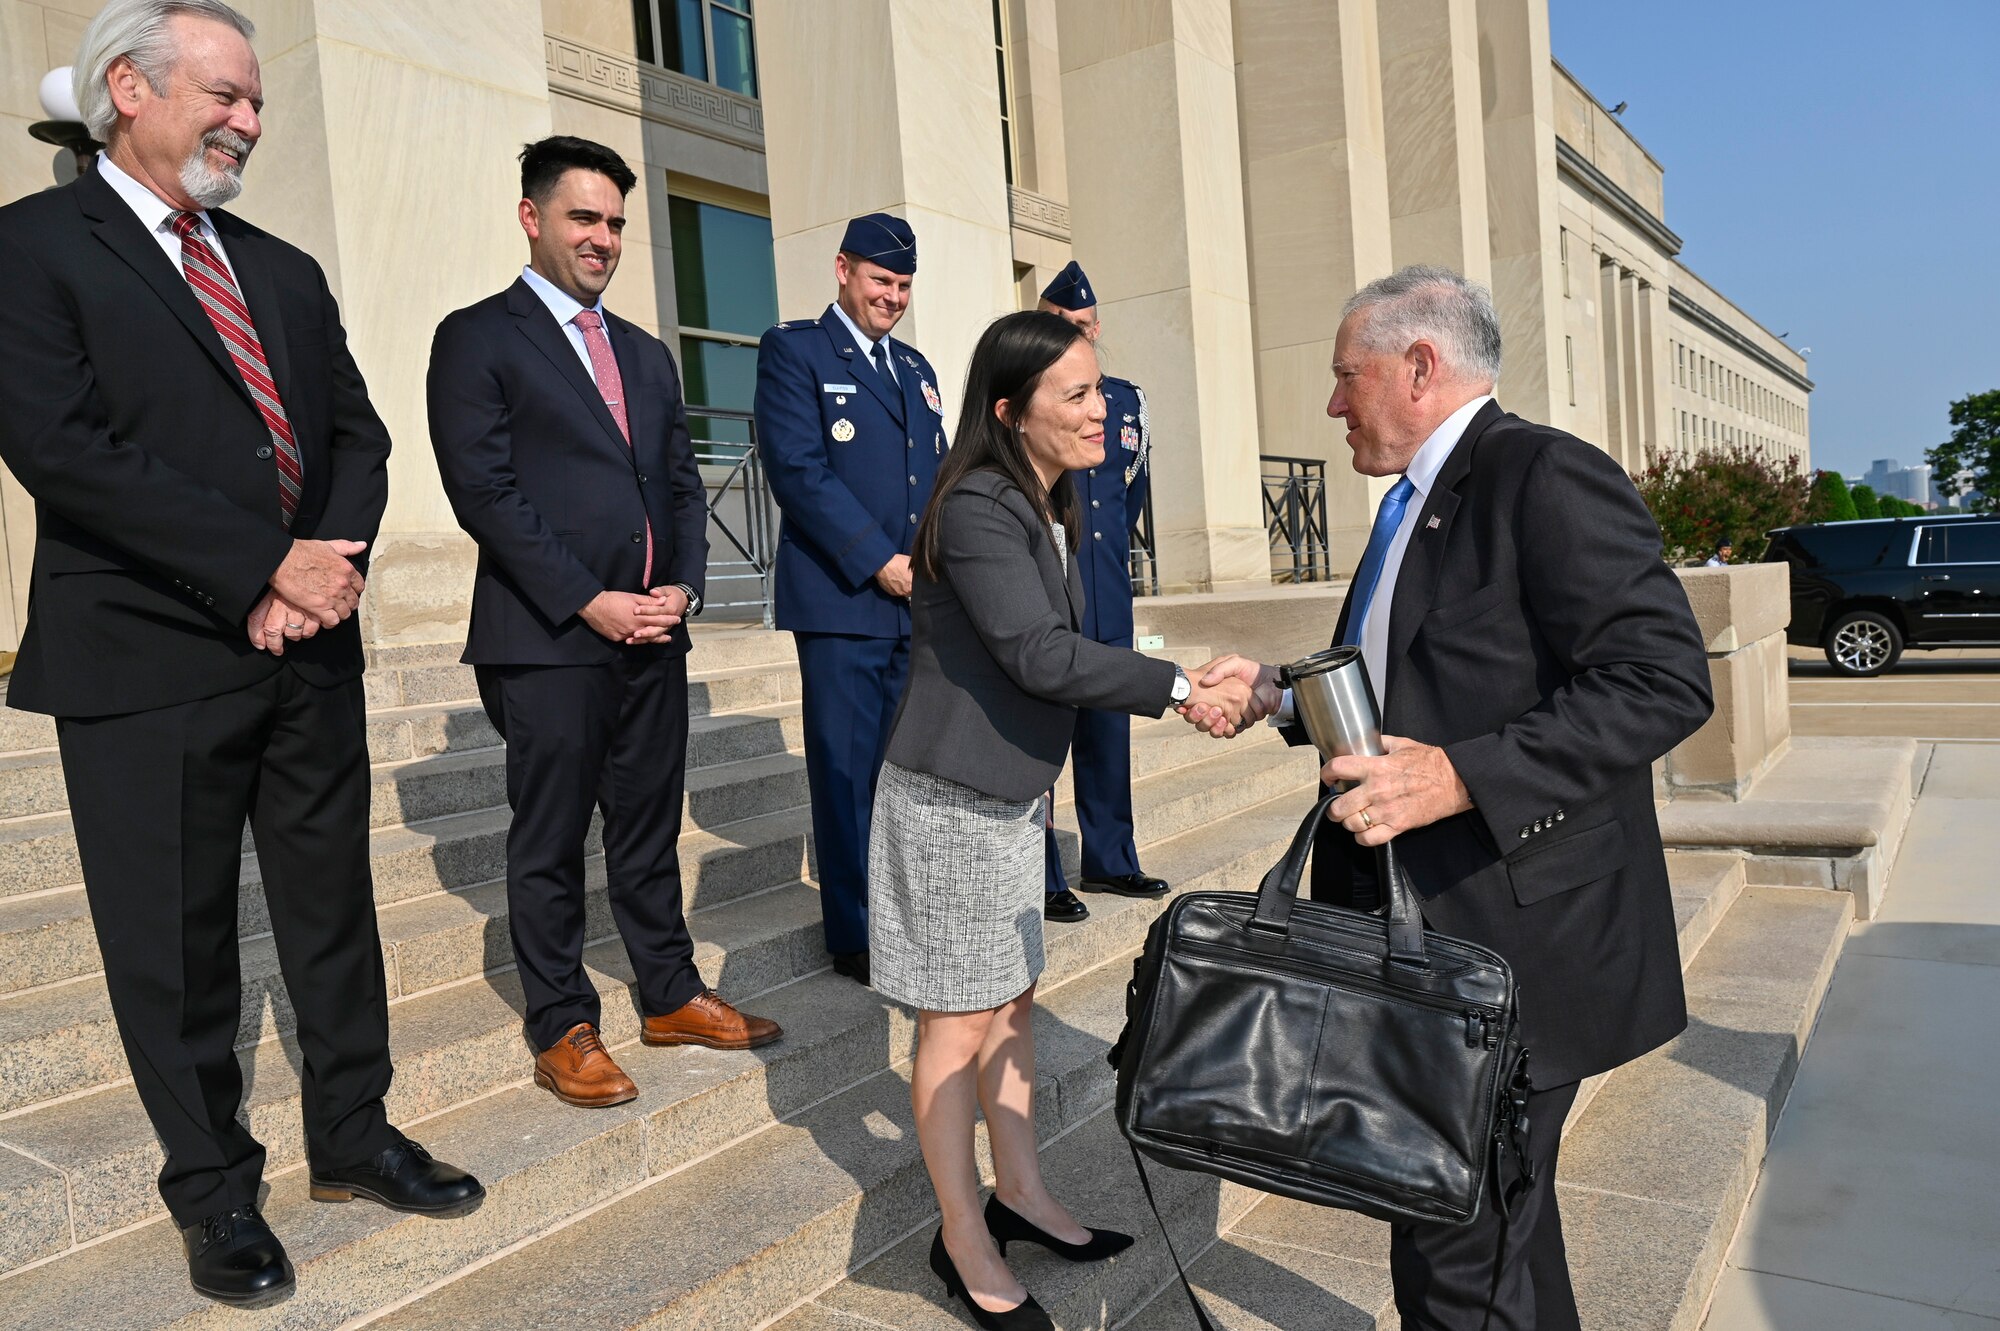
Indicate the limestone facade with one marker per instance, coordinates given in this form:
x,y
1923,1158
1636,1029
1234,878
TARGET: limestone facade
x,y
1228,171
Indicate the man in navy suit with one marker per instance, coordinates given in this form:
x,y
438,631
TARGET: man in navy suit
x,y
1113,495
562,442
850,425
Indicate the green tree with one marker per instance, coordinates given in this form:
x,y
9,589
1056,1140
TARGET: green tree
x,y
1974,447
1830,501
1866,505
1736,494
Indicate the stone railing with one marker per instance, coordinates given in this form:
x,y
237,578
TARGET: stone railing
x,y
1742,611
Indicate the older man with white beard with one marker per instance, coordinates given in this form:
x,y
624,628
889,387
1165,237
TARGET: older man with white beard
x,y
177,395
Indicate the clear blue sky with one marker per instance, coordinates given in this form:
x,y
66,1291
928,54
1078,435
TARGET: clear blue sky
x,y
1833,167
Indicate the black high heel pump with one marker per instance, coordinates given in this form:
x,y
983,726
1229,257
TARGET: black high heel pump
x,y
1024,1316
1006,1226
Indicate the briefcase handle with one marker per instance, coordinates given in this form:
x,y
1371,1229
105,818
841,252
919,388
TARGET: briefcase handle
x,y
1280,889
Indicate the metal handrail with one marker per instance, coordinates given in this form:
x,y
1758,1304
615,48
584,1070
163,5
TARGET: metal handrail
x,y
1295,518
752,533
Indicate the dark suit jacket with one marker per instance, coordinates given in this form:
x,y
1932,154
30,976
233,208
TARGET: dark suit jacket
x,y
541,477
156,493
1537,636
998,660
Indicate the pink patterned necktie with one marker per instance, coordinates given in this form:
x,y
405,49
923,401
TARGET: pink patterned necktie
x,y
216,290
611,387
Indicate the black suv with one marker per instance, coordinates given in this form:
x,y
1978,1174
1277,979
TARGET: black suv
x,y
1864,591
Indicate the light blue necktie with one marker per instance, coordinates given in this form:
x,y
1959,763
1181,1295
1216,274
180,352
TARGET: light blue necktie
x,y
1387,519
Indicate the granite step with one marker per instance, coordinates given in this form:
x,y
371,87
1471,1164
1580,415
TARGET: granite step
x,y
544,1162
38,852
45,938
1654,1175
817,1195
60,1039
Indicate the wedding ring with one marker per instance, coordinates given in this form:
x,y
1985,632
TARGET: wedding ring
x,y
291,625
1366,821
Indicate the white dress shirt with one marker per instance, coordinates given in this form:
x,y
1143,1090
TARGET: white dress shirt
x,y
565,308
1422,474
867,342
157,215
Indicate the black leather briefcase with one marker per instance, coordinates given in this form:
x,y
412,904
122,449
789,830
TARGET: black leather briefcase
x,y
1343,1058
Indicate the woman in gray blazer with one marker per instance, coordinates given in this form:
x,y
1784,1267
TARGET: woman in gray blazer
x,y
998,667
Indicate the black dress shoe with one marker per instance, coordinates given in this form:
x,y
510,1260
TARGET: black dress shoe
x,y
1026,1315
1128,885
854,965
1063,908
1007,1225
402,1178
235,1259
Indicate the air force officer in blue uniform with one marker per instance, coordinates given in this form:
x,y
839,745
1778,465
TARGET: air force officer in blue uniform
x,y
1113,495
850,425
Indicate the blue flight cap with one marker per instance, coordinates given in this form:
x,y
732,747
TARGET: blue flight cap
x,y
1070,290
881,238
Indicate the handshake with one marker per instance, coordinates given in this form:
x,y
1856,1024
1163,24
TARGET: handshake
x,y
1231,694
1410,785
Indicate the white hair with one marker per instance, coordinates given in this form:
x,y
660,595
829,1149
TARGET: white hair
x,y
1426,303
136,29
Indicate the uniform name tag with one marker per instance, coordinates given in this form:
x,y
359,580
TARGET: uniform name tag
x,y
837,388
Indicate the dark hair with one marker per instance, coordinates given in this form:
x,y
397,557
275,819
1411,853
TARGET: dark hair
x,y
1013,354
544,162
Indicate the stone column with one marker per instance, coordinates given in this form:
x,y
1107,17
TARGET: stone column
x,y
389,149
890,106
1632,390
1156,216
1611,294
1435,137
1518,86
1656,363
1316,205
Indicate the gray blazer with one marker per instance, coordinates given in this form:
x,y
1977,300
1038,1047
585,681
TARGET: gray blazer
x,y
998,667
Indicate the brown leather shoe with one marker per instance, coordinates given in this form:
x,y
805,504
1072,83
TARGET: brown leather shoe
x,y
706,1020
580,1073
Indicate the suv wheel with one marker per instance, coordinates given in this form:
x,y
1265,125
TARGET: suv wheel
x,y
1863,643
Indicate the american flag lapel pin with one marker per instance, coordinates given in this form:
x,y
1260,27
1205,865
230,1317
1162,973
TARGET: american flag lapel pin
x,y
1432,525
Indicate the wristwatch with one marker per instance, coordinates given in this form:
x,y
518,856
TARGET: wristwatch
x,y
694,599
1182,688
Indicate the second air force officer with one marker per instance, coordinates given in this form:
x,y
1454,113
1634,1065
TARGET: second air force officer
x,y
850,426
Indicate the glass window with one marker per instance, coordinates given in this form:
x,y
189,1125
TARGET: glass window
x,y
1960,543
1006,90
1562,250
1569,366
725,296
693,37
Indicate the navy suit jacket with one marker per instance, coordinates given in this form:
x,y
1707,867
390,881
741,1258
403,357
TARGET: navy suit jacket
x,y
540,476
851,464
156,493
1536,635
1113,496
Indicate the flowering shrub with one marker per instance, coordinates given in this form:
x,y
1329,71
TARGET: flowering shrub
x,y
1733,494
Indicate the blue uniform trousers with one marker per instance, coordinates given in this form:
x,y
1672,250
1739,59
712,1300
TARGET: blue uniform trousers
x,y
1101,761
851,686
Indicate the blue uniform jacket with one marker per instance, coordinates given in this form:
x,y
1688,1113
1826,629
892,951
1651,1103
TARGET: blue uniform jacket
x,y
851,464
1113,495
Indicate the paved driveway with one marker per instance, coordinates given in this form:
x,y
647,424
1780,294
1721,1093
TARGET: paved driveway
x,y
1943,695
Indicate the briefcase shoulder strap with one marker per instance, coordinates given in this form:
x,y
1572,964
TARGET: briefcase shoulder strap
x,y
1200,1313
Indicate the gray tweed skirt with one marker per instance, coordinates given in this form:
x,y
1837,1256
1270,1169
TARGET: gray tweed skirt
x,y
955,883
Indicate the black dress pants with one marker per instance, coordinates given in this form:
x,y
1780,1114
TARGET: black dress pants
x,y
1444,1275
158,800
612,735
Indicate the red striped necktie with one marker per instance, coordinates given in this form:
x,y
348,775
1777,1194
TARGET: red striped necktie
x,y
216,290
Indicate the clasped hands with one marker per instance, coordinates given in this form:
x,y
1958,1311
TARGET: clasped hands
x,y
1411,785
634,617
315,588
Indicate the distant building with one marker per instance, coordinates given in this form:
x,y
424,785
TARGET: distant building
x,y
1887,476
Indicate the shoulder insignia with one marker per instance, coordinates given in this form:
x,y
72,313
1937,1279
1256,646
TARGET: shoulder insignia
x,y
793,325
